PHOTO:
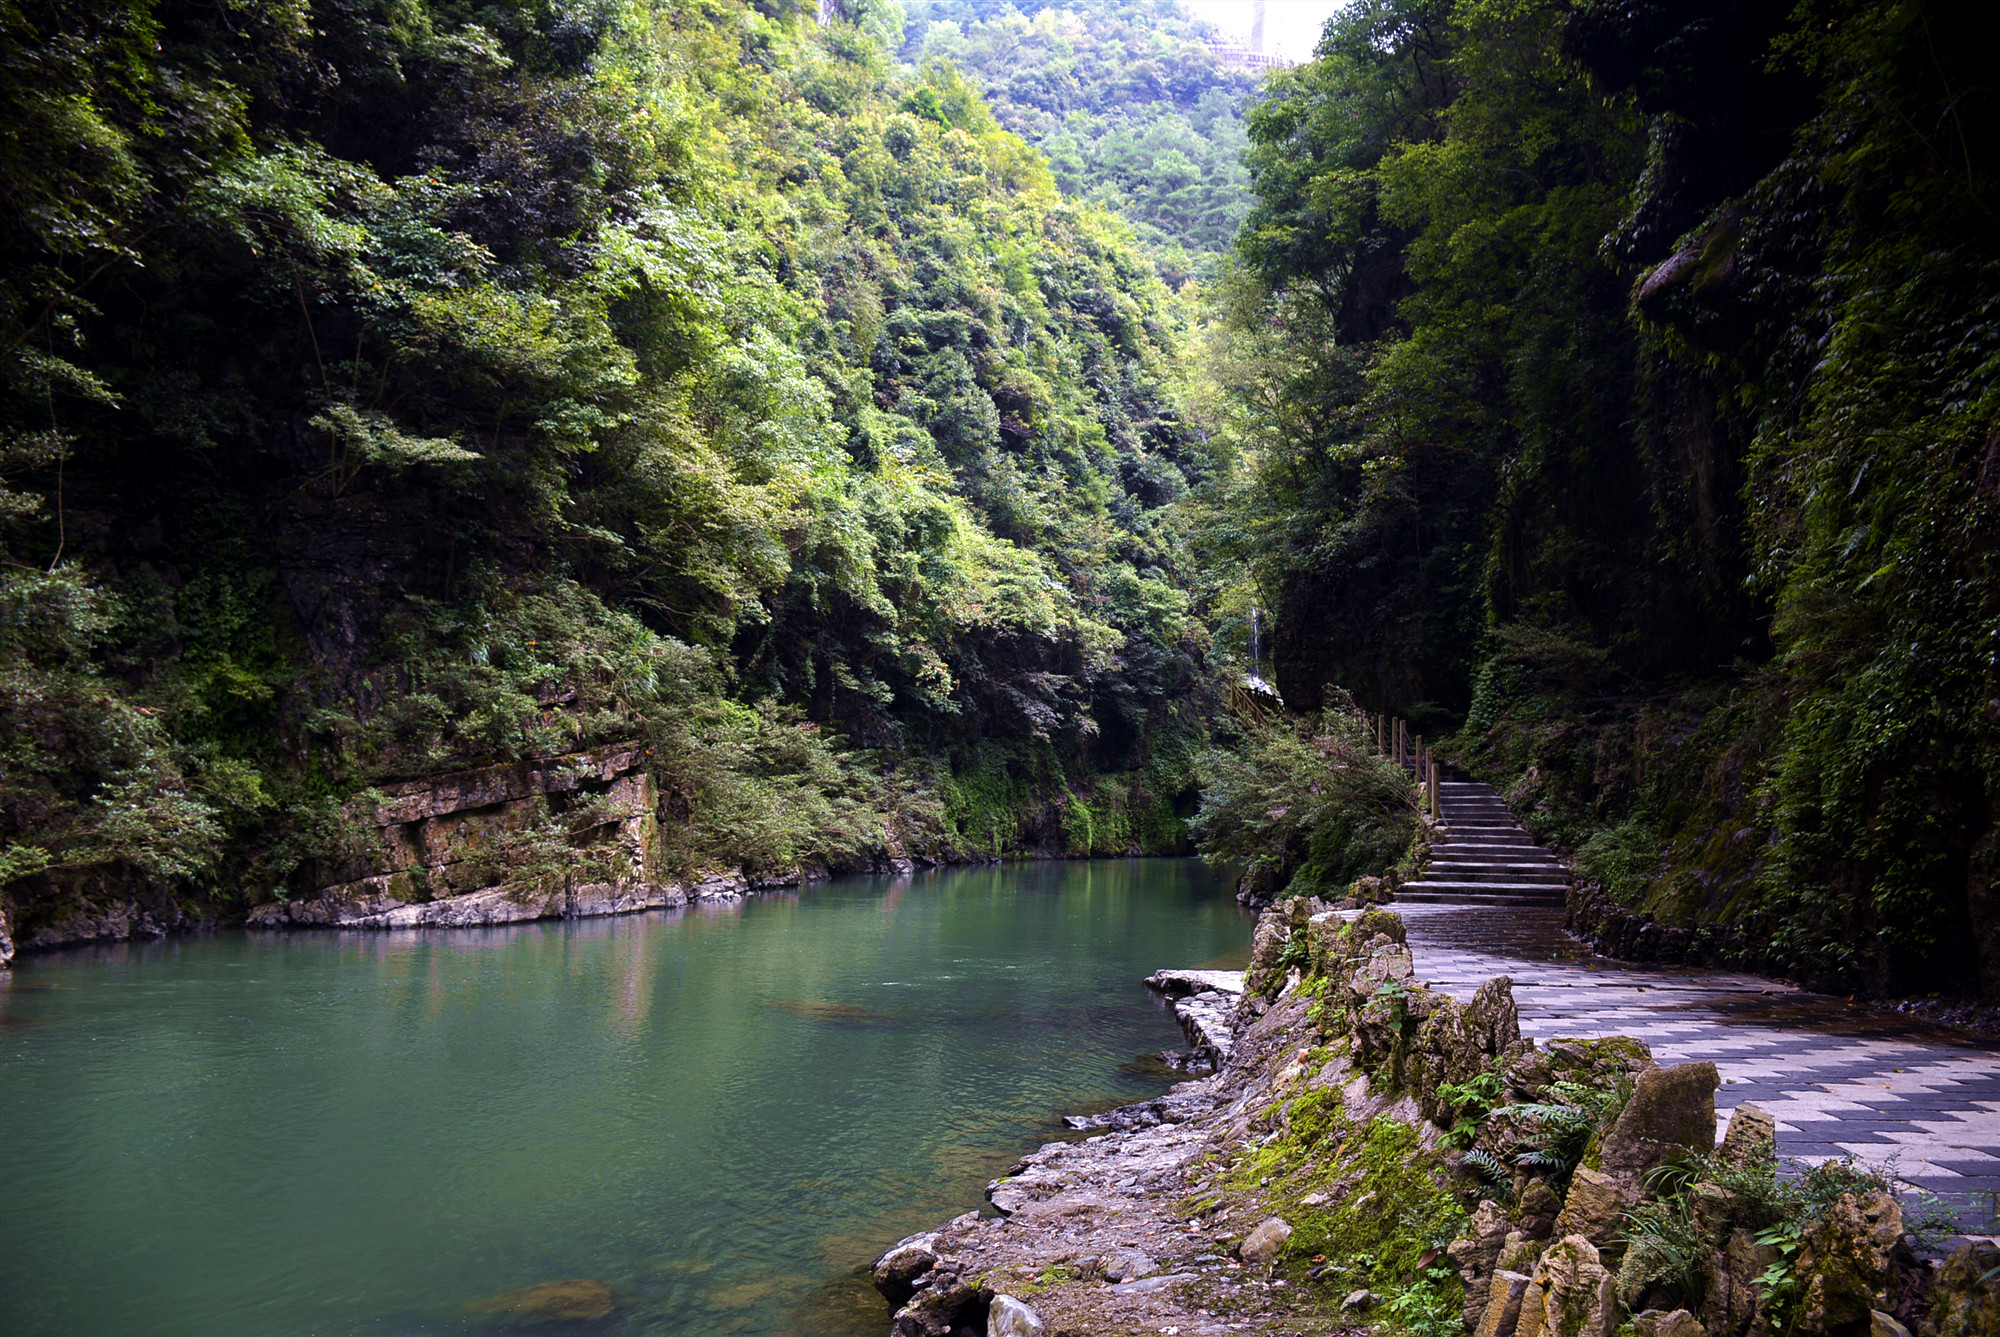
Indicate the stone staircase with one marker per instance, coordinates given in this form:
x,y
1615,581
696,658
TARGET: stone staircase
x,y
1485,857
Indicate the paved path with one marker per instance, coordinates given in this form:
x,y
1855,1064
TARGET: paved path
x,y
1840,1079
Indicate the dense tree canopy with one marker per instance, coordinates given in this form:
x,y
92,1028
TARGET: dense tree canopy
x,y
1614,383
397,387
1132,108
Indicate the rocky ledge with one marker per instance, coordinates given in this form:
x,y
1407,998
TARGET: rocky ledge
x,y
369,906
1375,1152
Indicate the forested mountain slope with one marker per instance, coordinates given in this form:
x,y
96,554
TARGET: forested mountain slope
x,y
1126,99
1615,385
394,389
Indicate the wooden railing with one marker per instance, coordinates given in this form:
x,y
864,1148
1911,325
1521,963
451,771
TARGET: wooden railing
x,y
1394,740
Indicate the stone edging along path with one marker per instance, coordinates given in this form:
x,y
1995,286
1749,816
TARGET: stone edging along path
x,y
1098,1237
1840,1080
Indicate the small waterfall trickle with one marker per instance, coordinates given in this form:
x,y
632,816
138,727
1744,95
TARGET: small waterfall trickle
x,y
1254,679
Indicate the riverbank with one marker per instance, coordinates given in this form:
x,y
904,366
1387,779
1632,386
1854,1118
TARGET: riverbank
x,y
1377,1152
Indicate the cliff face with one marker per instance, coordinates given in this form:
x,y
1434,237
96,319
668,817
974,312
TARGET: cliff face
x,y
1669,493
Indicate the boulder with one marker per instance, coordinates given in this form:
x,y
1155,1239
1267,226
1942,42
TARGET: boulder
x,y
1519,1252
1128,1265
1752,1135
1882,1325
1264,1242
1502,1313
1534,1310
895,1273
577,1301
1461,1041
1734,1301
1267,943
1595,1207
1965,1302
1852,1262
1671,1113
1379,923
1668,1323
1582,1293
1476,1256
1599,1062
1358,1300
936,1308
1011,1318
1537,1210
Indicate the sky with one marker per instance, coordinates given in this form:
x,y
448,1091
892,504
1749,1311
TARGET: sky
x,y
1291,27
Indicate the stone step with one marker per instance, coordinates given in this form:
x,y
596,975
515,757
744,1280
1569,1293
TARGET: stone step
x,y
1513,877
1455,884
1495,863
1419,896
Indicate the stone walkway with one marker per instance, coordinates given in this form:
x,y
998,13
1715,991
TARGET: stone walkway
x,y
1841,1080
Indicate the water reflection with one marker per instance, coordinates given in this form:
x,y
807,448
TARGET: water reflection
x,y
717,1115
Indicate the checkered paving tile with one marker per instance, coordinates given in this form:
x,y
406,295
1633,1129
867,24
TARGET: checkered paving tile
x,y
1841,1080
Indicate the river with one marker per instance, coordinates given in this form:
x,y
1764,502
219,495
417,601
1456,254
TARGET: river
x,y
721,1115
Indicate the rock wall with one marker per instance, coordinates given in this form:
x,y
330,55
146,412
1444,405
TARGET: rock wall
x,y
456,851
560,837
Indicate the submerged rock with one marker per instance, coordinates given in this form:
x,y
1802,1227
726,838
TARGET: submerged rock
x,y
580,1300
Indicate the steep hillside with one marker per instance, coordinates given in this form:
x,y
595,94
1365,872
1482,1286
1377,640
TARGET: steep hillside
x,y
1616,393
1132,108
400,390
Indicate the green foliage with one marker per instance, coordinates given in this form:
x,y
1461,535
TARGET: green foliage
x,y
1553,1136
1306,804
1467,1104
1392,1212
1659,465
396,392
1666,1248
1133,110
90,776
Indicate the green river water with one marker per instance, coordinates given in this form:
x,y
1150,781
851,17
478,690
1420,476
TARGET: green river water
x,y
720,1114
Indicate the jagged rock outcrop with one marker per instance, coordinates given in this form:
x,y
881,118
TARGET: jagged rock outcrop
x,y
1965,1300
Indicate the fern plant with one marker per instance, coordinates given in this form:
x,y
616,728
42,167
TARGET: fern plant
x,y
1561,1128
1665,1250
